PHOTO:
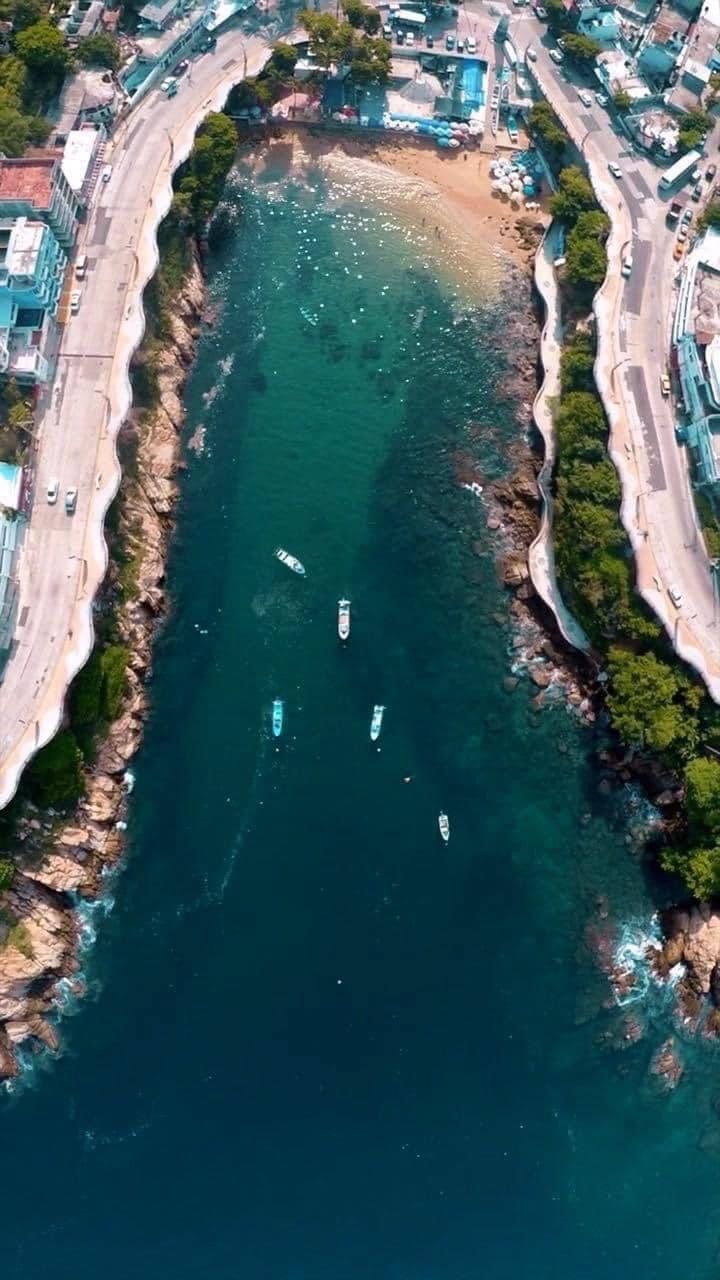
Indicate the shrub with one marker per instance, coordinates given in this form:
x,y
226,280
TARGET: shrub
x,y
7,874
54,777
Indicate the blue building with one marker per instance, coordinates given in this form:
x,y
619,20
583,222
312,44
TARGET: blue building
x,y
32,265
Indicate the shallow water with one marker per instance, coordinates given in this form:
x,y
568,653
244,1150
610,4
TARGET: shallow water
x,y
318,1043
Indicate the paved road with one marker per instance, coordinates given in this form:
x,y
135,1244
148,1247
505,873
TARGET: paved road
x,y
64,557
634,322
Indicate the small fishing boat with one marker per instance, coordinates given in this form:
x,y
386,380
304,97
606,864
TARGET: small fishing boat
x,y
278,713
376,722
292,562
343,619
444,826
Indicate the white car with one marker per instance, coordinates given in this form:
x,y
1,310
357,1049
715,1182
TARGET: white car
x,y
70,500
75,297
615,169
471,44
410,39
107,173
627,265
53,490
531,53
585,98
556,55
601,99
675,595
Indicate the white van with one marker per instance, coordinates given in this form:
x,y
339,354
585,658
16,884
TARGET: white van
x,y
81,267
627,264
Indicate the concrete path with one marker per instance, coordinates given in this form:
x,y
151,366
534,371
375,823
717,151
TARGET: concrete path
x,y
541,557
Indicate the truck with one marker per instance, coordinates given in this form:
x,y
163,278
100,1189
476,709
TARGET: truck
x,y
674,212
680,170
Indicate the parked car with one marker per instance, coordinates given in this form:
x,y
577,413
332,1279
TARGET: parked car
x,y
70,500
410,39
601,99
449,41
615,169
682,235
471,44
688,216
540,12
697,192
400,37
585,98
75,297
52,492
531,53
627,265
556,56
710,172
675,595
665,384
387,31
696,175
678,252
460,45
429,41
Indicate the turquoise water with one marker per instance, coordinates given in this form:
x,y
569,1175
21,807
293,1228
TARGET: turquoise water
x,y
318,1044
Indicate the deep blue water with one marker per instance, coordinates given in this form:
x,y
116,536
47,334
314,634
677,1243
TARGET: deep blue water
x,y
319,1045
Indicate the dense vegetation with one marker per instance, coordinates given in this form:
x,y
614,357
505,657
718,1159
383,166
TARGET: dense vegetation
x,y
695,124
100,51
353,40
656,706
200,181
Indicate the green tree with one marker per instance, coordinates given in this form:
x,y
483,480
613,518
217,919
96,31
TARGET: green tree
x,y
710,217
557,16
702,798
22,13
371,61
54,777
283,59
699,868
43,50
13,79
622,100
200,181
545,127
573,196
586,261
596,481
7,874
100,51
113,664
644,701
576,365
581,49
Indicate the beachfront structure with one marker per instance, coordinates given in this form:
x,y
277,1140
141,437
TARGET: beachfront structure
x,y
36,187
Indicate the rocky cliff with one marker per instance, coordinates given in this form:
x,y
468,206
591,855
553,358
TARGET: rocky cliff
x,y
61,861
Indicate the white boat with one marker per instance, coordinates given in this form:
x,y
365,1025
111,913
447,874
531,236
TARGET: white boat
x,y
343,619
376,722
292,562
278,712
444,826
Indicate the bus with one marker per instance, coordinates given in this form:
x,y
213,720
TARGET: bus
x,y
680,170
409,18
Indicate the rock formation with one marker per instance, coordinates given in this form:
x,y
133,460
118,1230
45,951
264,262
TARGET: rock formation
x,y
59,860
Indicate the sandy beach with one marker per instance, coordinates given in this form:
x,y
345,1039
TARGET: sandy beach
x,y
448,194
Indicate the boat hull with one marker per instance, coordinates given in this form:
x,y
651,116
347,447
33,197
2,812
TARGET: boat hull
x,y
343,619
376,723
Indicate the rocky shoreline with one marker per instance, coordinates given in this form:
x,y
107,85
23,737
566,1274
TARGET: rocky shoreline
x,y
62,861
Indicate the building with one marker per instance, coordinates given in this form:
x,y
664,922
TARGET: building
x,y
32,267
32,264
36,187
89,96
158,14
600,25
82,157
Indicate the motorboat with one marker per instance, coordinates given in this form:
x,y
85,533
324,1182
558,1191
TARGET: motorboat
x,y
343,619
444,826
376,722
292,562
278,712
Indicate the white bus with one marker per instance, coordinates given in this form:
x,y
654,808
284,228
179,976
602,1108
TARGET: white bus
x,y
408,18
680,170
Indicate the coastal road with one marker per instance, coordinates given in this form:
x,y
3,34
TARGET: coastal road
x,y
634,320
64,556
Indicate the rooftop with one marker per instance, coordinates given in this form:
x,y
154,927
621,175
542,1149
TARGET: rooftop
x,y
24,246
30,178
78,155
